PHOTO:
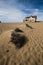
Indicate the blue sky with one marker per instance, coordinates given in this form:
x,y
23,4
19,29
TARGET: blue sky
x,y
17,10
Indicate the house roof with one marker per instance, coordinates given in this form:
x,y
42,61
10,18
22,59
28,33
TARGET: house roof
x,y
32,17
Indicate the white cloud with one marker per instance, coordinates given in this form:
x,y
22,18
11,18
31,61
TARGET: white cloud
x,y
38,13
35,12
14,13
11,14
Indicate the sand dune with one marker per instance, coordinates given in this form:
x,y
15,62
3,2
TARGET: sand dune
x,y
30,54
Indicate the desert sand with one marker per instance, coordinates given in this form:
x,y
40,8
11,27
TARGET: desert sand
x,y
31,53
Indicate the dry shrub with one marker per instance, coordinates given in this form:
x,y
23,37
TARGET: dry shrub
x,y
18,30
0,21
29,26
18,39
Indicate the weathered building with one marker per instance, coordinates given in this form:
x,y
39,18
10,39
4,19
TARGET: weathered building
x,y
30,19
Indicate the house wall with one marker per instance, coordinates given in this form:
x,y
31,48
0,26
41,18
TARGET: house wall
x,y
31,19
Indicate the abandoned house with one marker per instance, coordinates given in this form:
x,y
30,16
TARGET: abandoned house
x,y
30,19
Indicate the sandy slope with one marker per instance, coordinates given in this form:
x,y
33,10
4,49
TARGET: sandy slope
x,y
30,54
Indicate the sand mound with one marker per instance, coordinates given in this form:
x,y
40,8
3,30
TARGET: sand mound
x,y
30,54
